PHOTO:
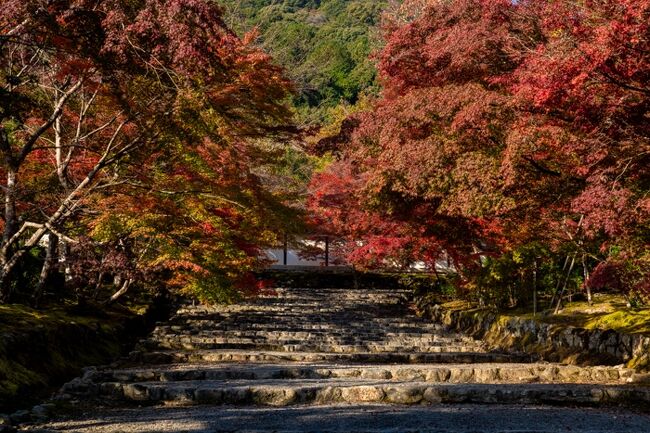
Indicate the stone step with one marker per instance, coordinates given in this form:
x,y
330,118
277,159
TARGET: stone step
x,y
217,356
223,338
330,391
358,306
328,345
268,316
454,373
308,349
412,326
279,333
332,348
322,339
368,330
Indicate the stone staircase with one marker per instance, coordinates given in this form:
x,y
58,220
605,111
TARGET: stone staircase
x,y
324,347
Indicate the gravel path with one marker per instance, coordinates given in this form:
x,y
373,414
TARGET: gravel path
x,y
359,418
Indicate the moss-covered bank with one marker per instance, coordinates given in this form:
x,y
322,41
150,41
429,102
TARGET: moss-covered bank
x,y
40,350
583,339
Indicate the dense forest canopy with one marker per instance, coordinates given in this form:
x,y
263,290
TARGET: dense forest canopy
x,y
160,143
324,45
512,138
137,143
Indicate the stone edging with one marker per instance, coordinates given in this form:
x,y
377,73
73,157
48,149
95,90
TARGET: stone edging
x,y
551,342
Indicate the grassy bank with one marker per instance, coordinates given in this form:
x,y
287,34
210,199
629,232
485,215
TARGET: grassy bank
x,y
607,312
41,349
606,332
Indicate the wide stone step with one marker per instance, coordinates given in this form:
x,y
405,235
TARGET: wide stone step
x,y
175,331
367,331
283,393
301,333
172,357
330,344
334,348
334,318
459,373
413,327
326,340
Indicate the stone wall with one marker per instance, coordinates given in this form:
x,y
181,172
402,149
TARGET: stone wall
x,y
551,342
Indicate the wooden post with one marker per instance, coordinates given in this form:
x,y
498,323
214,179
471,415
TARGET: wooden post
x,y
285,248
535,289
327,250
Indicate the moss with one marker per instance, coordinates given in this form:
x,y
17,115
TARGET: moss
x,y
456,305
41,349
640,363
13,376
607,312
527,339
19,317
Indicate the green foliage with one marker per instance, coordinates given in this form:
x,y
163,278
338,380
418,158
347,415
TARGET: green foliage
x,y
25,276
214,289
509,279
325,45
422,284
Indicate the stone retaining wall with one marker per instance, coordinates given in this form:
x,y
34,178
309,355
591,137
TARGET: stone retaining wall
x,y
552,342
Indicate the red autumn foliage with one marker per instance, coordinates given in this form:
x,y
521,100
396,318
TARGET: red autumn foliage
x,y
521,122
132,125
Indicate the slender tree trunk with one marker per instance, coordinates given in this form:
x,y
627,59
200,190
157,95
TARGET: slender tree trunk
x,y
48,266
535,288
64,260
11,223
5,287
435,272
11,227
559,282
61,165
98,285
566,281
121,292
585,274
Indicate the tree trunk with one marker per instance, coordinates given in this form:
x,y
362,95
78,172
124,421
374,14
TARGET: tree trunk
x,y
64,260
559,282
5,287
98,285
566,281
11,227
11,224
585,274
117,295
61,165
48,266
535,287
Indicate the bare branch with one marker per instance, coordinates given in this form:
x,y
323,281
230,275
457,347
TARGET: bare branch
x,y
58,109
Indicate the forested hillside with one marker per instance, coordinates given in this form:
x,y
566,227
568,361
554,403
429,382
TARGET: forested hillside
x,y
323,44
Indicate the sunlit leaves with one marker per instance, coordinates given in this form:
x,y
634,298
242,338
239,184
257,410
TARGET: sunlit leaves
x,y
527,121
149,164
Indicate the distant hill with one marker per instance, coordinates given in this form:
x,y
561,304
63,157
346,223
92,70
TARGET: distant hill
x,y
324,44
